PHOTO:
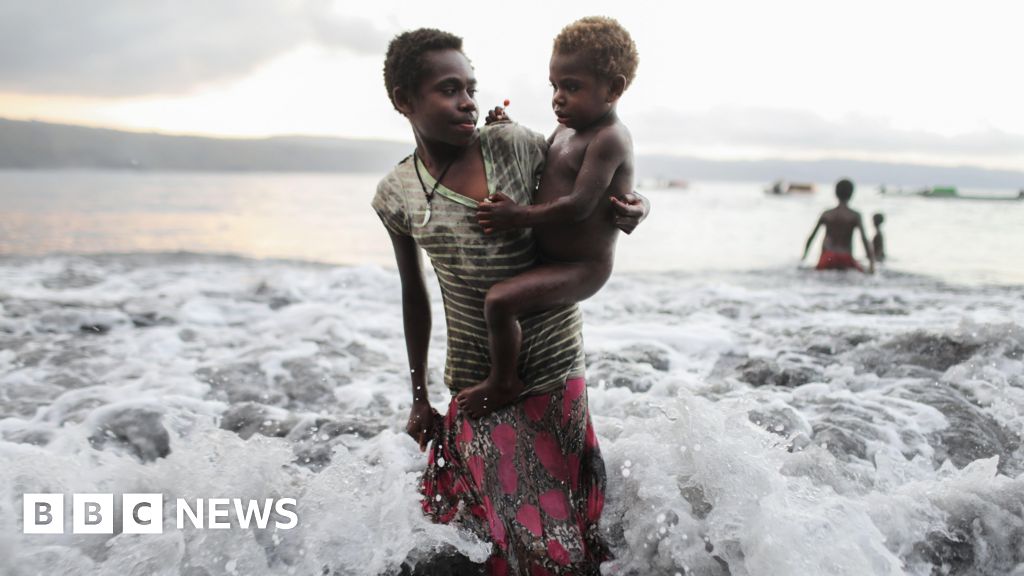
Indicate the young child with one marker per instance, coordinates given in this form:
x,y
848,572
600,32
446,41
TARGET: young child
x,y
877,242
840,223
589,161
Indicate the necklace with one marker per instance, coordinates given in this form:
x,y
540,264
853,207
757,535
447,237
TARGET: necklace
x,y
430,195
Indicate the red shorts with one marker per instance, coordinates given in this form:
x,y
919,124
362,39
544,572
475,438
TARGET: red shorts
x,y
837,261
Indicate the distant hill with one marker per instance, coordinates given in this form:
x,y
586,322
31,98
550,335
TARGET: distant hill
x,y
40,145
29,145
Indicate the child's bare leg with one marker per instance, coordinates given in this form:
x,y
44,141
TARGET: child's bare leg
x,y
537,289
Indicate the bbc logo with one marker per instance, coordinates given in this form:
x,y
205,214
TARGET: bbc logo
x,y
144,513
93,513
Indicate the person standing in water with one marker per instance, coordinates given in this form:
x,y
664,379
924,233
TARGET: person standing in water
x,y
877,242
840,223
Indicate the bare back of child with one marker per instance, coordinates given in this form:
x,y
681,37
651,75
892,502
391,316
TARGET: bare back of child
x,y
589,168
840,224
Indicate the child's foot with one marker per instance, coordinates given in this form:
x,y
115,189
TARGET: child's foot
x,y
486,397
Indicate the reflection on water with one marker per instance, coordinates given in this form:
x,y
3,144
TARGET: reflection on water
x,y
326,217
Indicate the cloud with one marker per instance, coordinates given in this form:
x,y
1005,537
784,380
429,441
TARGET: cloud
x,y
799,131
131,48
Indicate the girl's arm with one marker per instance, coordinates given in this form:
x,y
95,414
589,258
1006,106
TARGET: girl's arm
x,y
416,319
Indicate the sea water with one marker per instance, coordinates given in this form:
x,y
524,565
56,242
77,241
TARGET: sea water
x,y
755,418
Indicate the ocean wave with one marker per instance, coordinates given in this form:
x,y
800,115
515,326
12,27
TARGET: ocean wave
x,y
762,422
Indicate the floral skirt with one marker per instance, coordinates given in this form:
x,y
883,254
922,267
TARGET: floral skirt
x,y
529,478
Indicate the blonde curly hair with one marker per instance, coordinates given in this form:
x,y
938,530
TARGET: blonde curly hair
x,y
604,43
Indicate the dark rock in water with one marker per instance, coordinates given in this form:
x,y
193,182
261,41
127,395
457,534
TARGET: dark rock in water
x,y
27,436
94,328
694,495
822,349
75,319
309,385
635,367
758,372
730,312
149,319
364,354
326,428
854,340
447,563
635,378
251,418
950,552
240,383
276,301
972,434
784,421
314,441
725,365
654,356
873,305
138,430
761,372
838,343
936,352
70,278
1014,352
984,533
842,442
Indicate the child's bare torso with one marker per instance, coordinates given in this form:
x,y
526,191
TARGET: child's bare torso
x,y
592,239
840,224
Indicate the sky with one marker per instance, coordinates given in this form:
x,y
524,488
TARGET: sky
x,y
902,81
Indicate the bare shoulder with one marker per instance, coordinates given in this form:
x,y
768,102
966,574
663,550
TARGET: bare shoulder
x,y
617,132
613,141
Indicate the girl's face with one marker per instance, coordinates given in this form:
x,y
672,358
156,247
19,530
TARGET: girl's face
x,y
580,98
443,107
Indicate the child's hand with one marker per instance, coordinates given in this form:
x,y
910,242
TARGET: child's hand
x,y
496,115
498,213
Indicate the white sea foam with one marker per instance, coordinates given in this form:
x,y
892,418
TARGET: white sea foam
x,y
763,423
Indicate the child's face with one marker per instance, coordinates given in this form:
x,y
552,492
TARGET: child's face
x,y
443,108
580,97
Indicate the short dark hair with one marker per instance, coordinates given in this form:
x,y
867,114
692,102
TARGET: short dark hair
x,y
604,42
844,189
878,218
403,65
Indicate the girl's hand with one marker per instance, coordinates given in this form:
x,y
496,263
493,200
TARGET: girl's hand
x,y
421,424
629,213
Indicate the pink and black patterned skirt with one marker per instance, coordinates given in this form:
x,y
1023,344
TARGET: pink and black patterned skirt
x,y
529,478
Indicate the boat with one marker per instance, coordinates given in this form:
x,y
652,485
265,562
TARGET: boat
x,y
779,188
664,184
950,192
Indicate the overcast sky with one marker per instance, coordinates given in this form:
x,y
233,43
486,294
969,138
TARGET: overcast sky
x,y
937,82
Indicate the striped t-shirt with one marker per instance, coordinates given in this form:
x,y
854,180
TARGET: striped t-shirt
x,y
468,262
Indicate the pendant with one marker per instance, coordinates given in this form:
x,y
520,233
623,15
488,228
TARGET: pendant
x,y
426,217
